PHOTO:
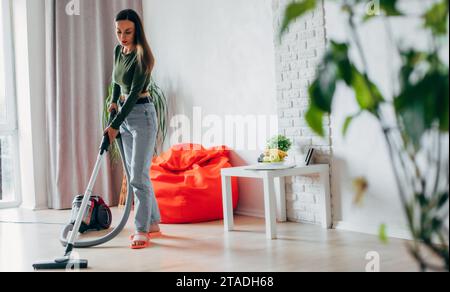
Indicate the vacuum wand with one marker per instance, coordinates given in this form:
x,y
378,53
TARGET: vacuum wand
x,y
105,142
87,194
66,261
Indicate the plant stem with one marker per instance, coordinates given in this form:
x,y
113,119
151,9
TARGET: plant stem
x,y
438,164
358,43
388,29
403,156
423,264
397,178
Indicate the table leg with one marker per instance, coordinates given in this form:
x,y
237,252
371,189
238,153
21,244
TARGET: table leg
x,y
227,200
270,207
280,190
325,200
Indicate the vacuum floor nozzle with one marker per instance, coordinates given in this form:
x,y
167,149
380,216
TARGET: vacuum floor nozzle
x,y
61,264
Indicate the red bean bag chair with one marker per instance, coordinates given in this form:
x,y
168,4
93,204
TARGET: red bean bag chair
x,y
187,183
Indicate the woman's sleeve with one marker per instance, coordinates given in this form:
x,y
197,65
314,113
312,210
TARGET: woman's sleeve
x,y
137,87
116,87
115,92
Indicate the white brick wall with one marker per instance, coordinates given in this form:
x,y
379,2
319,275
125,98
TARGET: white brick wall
x,y
297,57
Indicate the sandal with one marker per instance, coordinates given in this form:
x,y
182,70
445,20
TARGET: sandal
x,y
156,231
155,234
139,241
151,235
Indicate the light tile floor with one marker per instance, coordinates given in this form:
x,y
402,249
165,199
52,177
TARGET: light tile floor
x,y
201,247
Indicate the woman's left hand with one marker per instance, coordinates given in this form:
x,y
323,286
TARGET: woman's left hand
x,y
112,134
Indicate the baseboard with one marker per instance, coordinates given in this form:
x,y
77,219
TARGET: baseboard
x,y
9,205
32,207
392,231
41,208
260,214
250,213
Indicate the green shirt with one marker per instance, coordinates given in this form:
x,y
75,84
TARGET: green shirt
x,y
129,78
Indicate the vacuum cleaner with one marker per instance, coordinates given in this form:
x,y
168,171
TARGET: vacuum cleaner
x,y
70,232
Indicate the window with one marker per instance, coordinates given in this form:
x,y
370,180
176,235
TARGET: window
x,y
2,74
9,163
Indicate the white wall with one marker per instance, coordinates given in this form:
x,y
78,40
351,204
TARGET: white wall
x,y
29,50
217,55
364,152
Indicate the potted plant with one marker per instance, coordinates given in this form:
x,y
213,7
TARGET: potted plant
x,y
421,107
276,150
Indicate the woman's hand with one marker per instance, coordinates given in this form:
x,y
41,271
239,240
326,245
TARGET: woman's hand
x,y
112,134
112,107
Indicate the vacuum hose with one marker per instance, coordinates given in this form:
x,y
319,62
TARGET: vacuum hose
x,y
129,201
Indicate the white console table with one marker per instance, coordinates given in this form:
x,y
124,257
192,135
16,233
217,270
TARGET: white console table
x,y
274,193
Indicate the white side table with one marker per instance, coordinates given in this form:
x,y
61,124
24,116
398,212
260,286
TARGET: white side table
x,y
274,193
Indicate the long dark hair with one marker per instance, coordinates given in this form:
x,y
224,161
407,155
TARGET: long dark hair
x,y
144,52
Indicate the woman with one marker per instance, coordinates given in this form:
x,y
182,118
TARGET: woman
x,y
136,120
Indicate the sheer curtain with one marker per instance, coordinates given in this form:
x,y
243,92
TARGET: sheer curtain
x,y
80,39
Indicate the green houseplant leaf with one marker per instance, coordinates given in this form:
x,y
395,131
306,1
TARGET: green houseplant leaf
x,y
348,122
279,142
382,234
390,7
335,66
340,57
161,106
314,118
424,103
296,10
436,18
323,88
367,94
